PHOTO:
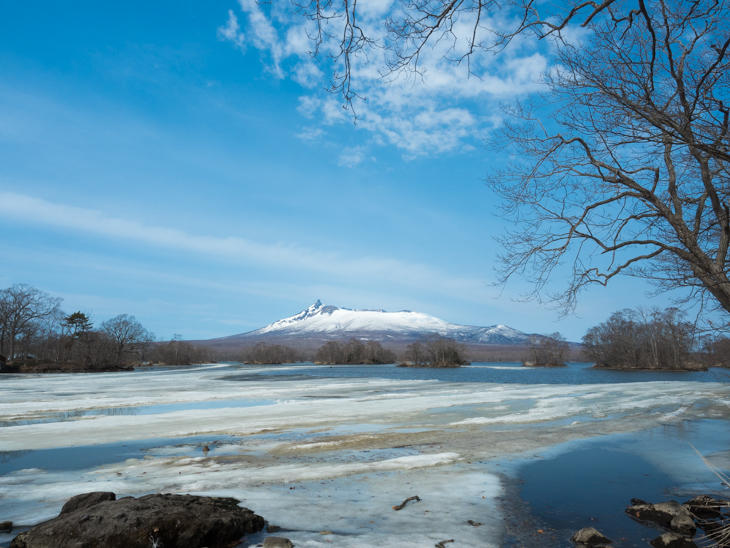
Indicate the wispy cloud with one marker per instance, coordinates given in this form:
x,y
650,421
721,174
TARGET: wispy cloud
x,y
445,107
351,157
263,34
357,270
231,31
310,133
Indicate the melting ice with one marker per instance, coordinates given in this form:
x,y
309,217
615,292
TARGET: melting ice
x,y
323,458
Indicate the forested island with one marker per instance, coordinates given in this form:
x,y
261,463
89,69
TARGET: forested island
x,y
658,339
436,352
547,351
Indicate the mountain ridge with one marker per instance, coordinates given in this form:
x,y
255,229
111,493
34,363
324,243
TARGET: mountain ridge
x,y
322,322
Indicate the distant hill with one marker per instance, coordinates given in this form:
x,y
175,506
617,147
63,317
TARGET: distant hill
x,y
320,323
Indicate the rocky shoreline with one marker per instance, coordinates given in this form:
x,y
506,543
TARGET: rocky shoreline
x,y
677,523
188,521
703,520
160,520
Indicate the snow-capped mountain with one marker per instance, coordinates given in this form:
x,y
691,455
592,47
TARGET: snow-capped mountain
x,y
327,322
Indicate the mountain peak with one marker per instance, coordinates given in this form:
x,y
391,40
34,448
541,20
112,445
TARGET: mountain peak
x,y
328,321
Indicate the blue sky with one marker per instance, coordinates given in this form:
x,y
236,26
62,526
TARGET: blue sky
x,y
183,162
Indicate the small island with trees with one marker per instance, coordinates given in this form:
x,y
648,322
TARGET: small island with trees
x,y
354,351
633,339
436,352
547,351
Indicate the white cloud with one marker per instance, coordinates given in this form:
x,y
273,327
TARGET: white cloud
x,y
308,106
297,41
231,31
446,106
307,74
28,209
351,157
310,133
263,34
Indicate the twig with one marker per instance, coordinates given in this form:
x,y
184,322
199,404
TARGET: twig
x,y
403,504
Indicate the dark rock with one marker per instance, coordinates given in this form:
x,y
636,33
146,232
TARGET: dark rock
x,y
183,521
85,500
277,542
589,536
707,507
272,528
670,515
6,526
672,540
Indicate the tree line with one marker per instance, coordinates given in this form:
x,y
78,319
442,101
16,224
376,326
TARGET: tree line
x,y
654,339
638,339
435,352
354,351
263,354
547,351
34,330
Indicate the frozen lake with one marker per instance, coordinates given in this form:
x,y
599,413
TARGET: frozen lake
x,y
325,452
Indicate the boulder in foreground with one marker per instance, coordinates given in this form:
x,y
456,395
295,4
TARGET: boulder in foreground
x,y
183,521
590,537
85,500
670,515
672,540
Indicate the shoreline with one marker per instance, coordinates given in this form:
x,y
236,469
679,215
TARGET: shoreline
x,y
521,526
551,494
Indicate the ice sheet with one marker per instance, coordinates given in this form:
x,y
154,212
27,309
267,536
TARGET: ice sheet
x,y
318,454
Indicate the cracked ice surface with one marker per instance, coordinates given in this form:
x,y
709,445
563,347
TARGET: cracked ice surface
x,y
313,454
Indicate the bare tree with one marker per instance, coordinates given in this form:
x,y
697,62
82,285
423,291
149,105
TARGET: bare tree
x,y
22,308
127,335
658,339
418,25
628,173
435,352
716,351
631,175
264,353
329,353
547,350
416,354
354,351
178,352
